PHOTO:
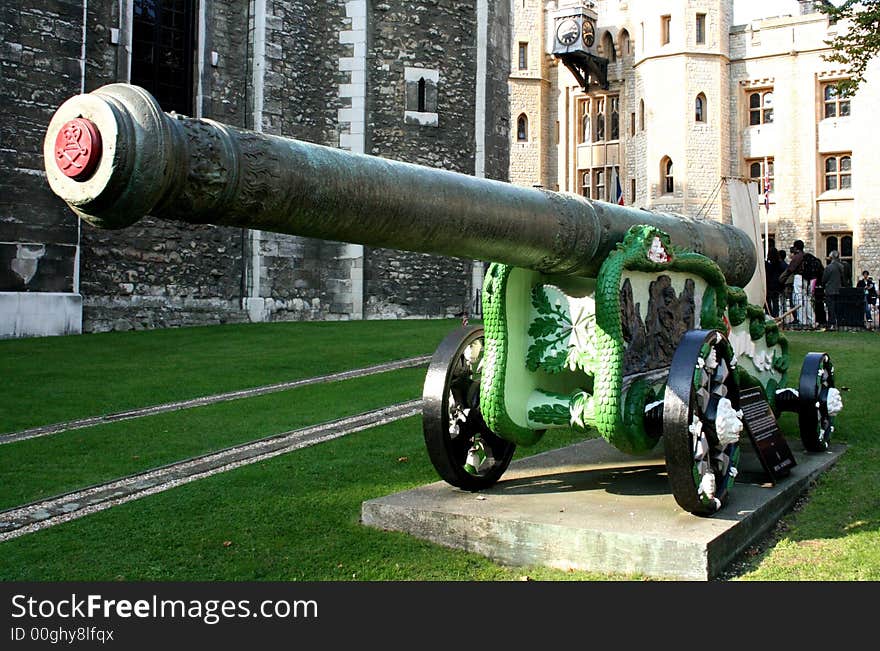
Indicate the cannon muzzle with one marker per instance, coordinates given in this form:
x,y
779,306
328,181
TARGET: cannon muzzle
x,y
114,156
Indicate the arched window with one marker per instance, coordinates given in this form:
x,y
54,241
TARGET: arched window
x,y
522,128
666,176
700,108
600,120
625,43
761,107
836,104
608,47
600,184
838,172
615,118
762,176
585,184
755,171
641,115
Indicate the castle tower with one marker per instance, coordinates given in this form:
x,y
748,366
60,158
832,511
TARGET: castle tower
x,y
679,92
533,131
652,133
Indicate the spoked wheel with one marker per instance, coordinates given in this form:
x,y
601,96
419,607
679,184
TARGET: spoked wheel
x,y
819,402
464,451
701,422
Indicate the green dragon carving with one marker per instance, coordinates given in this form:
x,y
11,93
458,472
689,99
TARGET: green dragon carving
x,y
564,338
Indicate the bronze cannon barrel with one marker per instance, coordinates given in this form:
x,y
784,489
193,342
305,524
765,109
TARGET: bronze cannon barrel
x,y
114,156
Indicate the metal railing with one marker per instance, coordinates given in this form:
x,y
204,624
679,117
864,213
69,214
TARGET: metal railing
x,y
805,306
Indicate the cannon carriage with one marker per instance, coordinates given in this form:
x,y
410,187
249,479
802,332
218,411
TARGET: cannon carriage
x,y
655,348
597,316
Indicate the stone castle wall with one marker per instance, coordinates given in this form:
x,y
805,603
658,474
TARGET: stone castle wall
x,y
40,55
311,78
160,274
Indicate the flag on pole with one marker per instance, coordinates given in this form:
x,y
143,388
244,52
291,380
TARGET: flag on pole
x,y
618,191
766,186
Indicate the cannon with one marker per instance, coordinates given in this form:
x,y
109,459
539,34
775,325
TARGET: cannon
x,y
598,317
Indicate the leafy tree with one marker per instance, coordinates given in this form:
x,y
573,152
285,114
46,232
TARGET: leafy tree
x,y
856,46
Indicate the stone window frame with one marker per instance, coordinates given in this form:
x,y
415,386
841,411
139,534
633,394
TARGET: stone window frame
x,y
842,242
837,174
600,106
122,38
523,62
832,99
758,110
613,117
700,28
522,127
596,182
586,177
607,43
701,109
585,117
625,41
600,183
665,29
421,96
641,115
667,176
755,172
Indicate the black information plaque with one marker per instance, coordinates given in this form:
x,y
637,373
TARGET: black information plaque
x,y
769,444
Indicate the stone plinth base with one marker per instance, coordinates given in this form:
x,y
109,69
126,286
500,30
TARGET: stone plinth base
x,y
589,507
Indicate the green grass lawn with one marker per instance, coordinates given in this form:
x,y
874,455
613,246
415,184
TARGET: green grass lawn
x,y
835,533
52,379
46,466
295,517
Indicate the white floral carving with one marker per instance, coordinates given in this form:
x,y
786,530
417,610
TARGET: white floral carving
x,y
712,360
728,423
657,253
707,485
835,402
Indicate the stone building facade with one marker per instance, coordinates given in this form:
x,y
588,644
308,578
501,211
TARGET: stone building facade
x,y
424,81
700,91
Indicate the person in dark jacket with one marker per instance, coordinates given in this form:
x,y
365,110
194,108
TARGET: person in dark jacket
x,y
794,281
866,284
774,266
832,281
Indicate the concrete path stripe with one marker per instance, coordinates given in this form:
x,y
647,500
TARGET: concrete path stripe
x,y
70,506
45,430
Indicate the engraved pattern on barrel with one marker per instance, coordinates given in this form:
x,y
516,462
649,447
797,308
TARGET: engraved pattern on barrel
x,y
201,171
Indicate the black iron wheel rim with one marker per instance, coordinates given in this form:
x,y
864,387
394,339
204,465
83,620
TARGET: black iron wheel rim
x,y
696,460
815,423
452,416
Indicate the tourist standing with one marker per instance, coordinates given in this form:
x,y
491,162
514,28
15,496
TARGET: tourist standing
x,y
832,280
794,281
866,284
774,266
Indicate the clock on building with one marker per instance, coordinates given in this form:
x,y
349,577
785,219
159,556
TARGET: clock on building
x,y
589,33
568,31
